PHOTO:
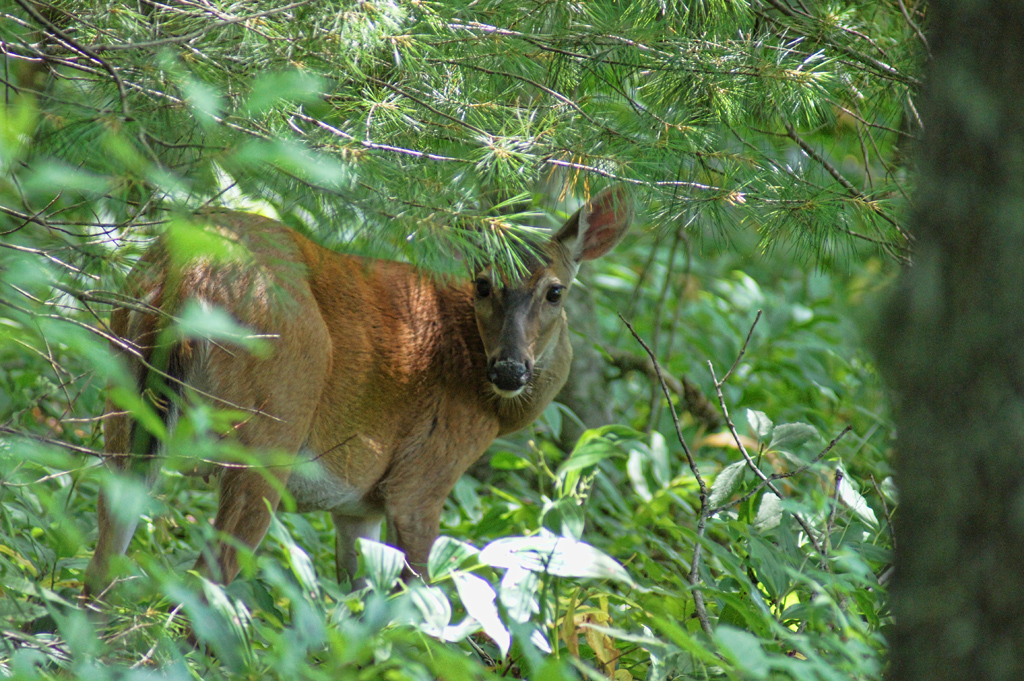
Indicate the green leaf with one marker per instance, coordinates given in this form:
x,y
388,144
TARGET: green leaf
x,y
597,444
857,503
197,320
660,464
205,100
635,471
560,556
507,461
448,554
769,513
187,240
553,417
435,612
789,436
465,493
298,560
17,121
283,86
564,517
217,622
726,482
760,424
518,592
744,649
685,640
768,562
50,177
382,564
477,598
127,498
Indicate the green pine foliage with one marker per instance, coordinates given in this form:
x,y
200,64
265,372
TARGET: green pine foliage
x,y
765,146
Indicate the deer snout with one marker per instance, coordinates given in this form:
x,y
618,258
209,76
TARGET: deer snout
x,y
509,375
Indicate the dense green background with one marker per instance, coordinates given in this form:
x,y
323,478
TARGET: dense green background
x,y
765,145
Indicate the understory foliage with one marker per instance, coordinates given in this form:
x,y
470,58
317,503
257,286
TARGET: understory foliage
x,y
741,531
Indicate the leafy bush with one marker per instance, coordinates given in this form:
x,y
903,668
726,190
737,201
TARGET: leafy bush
x,y
422,130
552,565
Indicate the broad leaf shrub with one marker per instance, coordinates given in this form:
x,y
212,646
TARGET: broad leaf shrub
x,y
420,129
553,565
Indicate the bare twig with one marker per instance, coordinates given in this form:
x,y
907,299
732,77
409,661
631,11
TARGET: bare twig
x,y
917,29
694,577
51,258
52,441
885,510
837,481
751,464
367,144
780,476
71,44
743,350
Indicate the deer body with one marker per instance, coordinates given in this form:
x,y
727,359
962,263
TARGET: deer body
x,y
384,384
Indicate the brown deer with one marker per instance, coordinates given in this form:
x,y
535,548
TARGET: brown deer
x,y
383,385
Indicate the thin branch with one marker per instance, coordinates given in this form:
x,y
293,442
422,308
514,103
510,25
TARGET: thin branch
x,y
51,441
830,523
834,172
780,476
860,119
373,145
628,180
752,465
694,576
743,350
53,259
675,418
917,29
74,46
746,456
228,21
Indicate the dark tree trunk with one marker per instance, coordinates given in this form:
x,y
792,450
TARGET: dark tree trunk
x,y
952,346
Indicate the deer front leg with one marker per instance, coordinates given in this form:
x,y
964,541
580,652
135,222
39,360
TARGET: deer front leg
x,y
413,526
347,530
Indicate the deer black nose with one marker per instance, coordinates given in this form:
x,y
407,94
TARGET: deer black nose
x,y
509,374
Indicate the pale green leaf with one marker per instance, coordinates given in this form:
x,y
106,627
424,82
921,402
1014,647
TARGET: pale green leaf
x,y
382,564
561,556
726,482
760,424
448,554
789,436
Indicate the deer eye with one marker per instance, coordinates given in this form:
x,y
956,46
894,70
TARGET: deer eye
x,y
483,287
555,294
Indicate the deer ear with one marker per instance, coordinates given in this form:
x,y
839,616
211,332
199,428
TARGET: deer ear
x,y
598,225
